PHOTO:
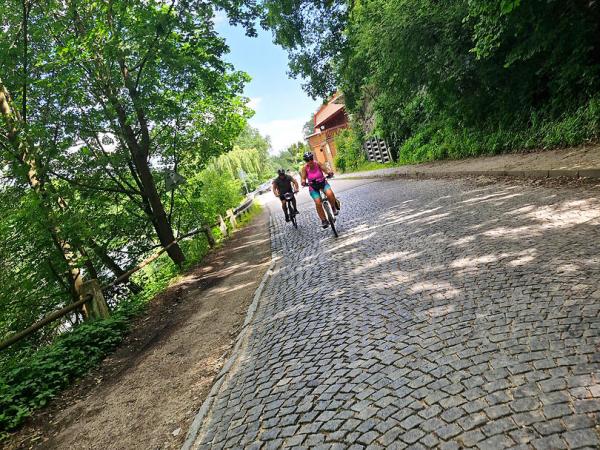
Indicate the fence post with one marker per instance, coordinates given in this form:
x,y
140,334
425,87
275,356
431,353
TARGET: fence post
x,y
232,219
222,225
96,308
209,236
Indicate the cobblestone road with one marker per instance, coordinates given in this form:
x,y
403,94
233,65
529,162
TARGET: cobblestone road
x,y
447,315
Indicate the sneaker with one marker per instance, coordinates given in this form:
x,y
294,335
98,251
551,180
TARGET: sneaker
x,y
296,212
287,218
324,223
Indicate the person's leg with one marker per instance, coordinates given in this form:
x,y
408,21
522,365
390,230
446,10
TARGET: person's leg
x,y
316,196
294,204
332,200
319,207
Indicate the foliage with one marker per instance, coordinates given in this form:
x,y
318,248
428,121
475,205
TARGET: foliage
x,y
102,98
312,32
456,78
350,154
215,192
291,158
99,100
251,155
33,381
309,127
29,382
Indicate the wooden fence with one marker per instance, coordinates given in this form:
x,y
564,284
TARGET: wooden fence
x,y
92,300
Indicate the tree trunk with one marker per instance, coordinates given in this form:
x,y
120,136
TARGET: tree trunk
x,y
159,215
139,151
139,154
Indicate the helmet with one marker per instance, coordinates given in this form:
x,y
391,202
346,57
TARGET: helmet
x,y
308,156
280,171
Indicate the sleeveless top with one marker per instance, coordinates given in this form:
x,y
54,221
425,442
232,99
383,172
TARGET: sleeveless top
x,y
314,172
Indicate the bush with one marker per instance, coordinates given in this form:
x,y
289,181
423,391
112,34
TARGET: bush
x,y
442,139
349,152
32,382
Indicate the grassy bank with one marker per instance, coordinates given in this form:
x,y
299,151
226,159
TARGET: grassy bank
x,y
443,139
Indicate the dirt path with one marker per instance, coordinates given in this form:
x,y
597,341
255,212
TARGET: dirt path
x,y
146,394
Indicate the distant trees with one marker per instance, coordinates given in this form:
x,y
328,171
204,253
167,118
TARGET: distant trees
x,y
291,158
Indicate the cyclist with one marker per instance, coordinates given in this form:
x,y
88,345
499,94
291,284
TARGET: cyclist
x,y
281,186
313,175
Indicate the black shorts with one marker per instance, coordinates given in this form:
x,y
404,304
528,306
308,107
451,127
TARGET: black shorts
x,y
282,196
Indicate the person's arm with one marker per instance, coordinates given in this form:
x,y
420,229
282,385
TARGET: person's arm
x,y
303,175
275,189
295,183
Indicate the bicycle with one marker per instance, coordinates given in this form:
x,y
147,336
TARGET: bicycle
x,y
288,196
326,206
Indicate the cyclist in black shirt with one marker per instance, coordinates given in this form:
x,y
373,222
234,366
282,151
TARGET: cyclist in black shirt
x,y
281,186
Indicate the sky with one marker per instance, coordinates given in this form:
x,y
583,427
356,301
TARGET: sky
x,y
281,106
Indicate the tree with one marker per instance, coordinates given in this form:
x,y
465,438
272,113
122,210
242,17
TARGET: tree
x,y
140,74
292,157
251,155
97,101
309,127
313,34
449,79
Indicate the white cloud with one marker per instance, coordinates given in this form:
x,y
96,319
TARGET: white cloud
x,y
283,132
254,103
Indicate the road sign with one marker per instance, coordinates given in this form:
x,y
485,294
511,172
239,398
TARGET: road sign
x,y
173,179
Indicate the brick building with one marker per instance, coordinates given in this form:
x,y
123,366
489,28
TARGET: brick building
x,y
328,121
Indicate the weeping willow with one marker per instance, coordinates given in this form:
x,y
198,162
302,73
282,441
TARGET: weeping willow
x,y
254,162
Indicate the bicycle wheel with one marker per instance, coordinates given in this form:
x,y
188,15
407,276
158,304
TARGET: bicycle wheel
x,y
292,214
330,218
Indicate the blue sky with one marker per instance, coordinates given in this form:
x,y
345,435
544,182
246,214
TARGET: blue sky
x,y
281,106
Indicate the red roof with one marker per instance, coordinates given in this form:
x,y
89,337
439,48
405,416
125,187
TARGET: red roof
x,y
328,110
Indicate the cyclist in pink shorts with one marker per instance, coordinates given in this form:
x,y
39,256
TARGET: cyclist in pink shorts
x,y
313,175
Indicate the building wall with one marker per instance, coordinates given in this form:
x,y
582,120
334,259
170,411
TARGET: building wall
x,y
323,145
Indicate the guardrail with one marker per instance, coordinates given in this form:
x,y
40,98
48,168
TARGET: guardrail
x,y
92,297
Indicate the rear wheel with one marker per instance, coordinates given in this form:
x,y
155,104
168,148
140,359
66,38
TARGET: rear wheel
x,y
292,214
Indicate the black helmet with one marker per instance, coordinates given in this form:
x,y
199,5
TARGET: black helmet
x,y
280,171
308,156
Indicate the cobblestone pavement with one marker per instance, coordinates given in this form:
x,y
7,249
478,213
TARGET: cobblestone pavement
x,y
447,315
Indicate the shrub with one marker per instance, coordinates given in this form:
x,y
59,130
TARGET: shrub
x,y
350,154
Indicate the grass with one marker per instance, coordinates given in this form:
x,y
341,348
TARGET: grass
x,y
368,166
28,383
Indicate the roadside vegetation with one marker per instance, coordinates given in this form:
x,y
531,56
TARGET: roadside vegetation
x,y
452,79
100,103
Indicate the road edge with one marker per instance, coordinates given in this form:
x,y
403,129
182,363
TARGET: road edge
x,y
194,429
590,173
